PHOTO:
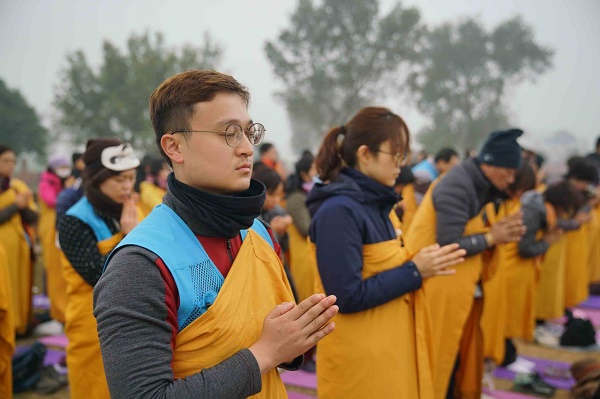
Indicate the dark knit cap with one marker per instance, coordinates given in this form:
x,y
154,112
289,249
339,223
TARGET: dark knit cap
x,y
94,172
582,169
501,149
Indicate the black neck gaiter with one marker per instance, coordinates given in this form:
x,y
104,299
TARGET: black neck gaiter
x,y
213,215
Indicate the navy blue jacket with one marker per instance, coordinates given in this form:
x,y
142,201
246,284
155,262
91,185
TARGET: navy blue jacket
x,y
346,214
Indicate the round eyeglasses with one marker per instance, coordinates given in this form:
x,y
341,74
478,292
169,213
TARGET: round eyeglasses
x,y
398,158
233,133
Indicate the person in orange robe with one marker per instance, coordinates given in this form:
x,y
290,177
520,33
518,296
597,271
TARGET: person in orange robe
x,y
87,233
7,328
583,174
380,346
194,302
52,182
451,212
18,214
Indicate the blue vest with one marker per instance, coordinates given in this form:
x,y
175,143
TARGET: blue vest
x,y
197,278
84,211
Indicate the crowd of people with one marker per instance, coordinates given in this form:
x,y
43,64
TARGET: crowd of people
x,y
207,269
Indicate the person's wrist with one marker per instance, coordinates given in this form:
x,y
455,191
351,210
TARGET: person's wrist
x,y
489,240
265,364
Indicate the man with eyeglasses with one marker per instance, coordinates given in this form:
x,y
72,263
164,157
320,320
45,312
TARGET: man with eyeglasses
x,y
195,302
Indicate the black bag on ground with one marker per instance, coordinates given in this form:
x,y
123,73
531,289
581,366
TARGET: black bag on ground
x,y
27,367
578,332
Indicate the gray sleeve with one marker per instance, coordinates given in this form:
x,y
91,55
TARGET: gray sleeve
x,y
529,246
130,306
297,209
567,224
8,212
451,202
29,216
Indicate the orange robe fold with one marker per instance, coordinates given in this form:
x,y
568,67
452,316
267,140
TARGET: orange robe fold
x,y
449,305
17,241
55,283
255,284
380,352
7,328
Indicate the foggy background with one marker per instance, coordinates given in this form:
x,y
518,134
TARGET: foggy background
x,y
37,36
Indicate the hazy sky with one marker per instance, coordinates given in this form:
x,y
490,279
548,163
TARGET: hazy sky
x,y
37,35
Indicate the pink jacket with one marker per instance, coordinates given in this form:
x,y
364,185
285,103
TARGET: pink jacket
x,y
50,186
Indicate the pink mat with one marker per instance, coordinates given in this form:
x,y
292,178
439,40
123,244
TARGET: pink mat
x,y
592,314
55,340
507,395
300,379
298,395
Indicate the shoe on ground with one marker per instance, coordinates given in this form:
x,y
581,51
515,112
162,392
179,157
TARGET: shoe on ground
x,y
533,384
521,366
50,381
545,336
49,328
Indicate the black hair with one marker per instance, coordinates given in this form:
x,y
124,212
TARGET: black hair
x,y
525,178
445,154
294,182
4,148
264,147
405,177
564,196
268,177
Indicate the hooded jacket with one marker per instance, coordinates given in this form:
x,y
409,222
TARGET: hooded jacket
x,y
346,214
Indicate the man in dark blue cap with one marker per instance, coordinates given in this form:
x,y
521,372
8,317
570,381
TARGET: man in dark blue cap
x,y
451,212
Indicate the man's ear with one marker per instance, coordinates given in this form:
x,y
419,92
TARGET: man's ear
x,y
171,145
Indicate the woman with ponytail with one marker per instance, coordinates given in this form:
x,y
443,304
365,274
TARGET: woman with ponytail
x,y
380,347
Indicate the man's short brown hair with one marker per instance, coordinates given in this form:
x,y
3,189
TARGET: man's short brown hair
x,y
172,104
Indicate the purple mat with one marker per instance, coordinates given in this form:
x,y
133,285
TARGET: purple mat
x,y
540,365
300,379
507,395
55,340
593,302
41,301
298,395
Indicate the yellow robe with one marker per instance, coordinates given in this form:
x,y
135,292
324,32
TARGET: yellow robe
x,y
594,245
451,308
409,203
302,264
86,371
495,290
379,352
550,293
16,240
255,284
150,196
577,274
7,328
523,275
55,282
